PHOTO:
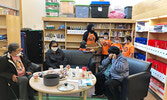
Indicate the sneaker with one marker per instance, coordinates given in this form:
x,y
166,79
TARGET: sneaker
x,y
96,95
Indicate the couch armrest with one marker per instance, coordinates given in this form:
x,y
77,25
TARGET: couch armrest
x,y
92,65
36,67
135,87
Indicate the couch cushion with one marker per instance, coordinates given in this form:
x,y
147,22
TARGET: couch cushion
x,y
77,57
136,66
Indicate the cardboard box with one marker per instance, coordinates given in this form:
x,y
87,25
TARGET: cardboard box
x,y
67,6
94,46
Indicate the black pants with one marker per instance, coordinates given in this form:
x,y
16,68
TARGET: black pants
x,y
112,89
103,57
108,87
30,90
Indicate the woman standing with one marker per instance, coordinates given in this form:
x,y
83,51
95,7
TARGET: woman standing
x,y
90,36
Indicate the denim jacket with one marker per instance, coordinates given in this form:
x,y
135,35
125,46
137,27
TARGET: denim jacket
x,y
119,67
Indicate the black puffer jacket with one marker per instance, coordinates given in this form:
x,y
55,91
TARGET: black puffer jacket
x,y
55,59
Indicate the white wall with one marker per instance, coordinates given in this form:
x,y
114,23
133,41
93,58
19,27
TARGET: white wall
x,y
34,10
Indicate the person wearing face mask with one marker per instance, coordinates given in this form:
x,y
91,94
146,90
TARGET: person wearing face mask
x,y
128,49
90,36
54,56
17,69
116,68
105,43
117,44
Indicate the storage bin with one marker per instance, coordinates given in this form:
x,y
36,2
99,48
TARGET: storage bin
x,y
67,6
52,13
52,9
82,11
128,12
99,9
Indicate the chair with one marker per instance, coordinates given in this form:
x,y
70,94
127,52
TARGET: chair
x,y
135,86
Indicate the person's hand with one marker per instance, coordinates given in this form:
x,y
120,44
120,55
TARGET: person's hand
x,y
110,56
29,73
14,78
92,50
114,56
107,42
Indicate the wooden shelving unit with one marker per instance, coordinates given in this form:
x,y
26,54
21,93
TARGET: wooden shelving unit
x,y
12,5
153,52
9,25
156,92
72,40
154,13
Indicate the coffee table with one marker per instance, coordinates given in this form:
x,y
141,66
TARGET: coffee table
x,y
41,88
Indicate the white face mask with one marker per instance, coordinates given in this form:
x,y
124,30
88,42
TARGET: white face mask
x,y
116,41
105,38
125,41
54,48
19,54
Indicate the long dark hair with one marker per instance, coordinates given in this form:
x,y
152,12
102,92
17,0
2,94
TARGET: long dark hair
x,y
89,27
52,42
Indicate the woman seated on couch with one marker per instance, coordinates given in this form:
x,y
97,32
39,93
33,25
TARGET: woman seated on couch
x,y
54,56
108,80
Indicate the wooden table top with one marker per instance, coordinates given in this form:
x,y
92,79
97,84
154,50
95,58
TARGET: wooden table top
x,y
40,87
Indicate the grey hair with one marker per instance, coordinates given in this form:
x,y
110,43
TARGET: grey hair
x,y
13,47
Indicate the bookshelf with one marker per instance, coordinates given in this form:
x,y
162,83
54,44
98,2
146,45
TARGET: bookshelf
x,y
157,53
9,31
155,49
73,29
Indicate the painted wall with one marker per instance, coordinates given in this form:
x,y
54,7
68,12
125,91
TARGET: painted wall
x,y
33,10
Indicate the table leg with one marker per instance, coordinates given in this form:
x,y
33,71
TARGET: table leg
x,y
80,94
85,95
40,95
47,96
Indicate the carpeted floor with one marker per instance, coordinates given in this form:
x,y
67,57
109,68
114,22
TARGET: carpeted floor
x,y
76,96
68,98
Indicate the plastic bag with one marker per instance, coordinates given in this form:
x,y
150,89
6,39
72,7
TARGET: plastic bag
x,y
116,14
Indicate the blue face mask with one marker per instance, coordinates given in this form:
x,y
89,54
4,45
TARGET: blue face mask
x,y
105,38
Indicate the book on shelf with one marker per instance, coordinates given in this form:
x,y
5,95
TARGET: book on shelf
x,y
54,36
76,28
121,26
101,33
101,26
142,26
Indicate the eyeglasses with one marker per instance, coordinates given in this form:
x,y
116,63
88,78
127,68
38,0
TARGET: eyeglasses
x,y
54,46
18,50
